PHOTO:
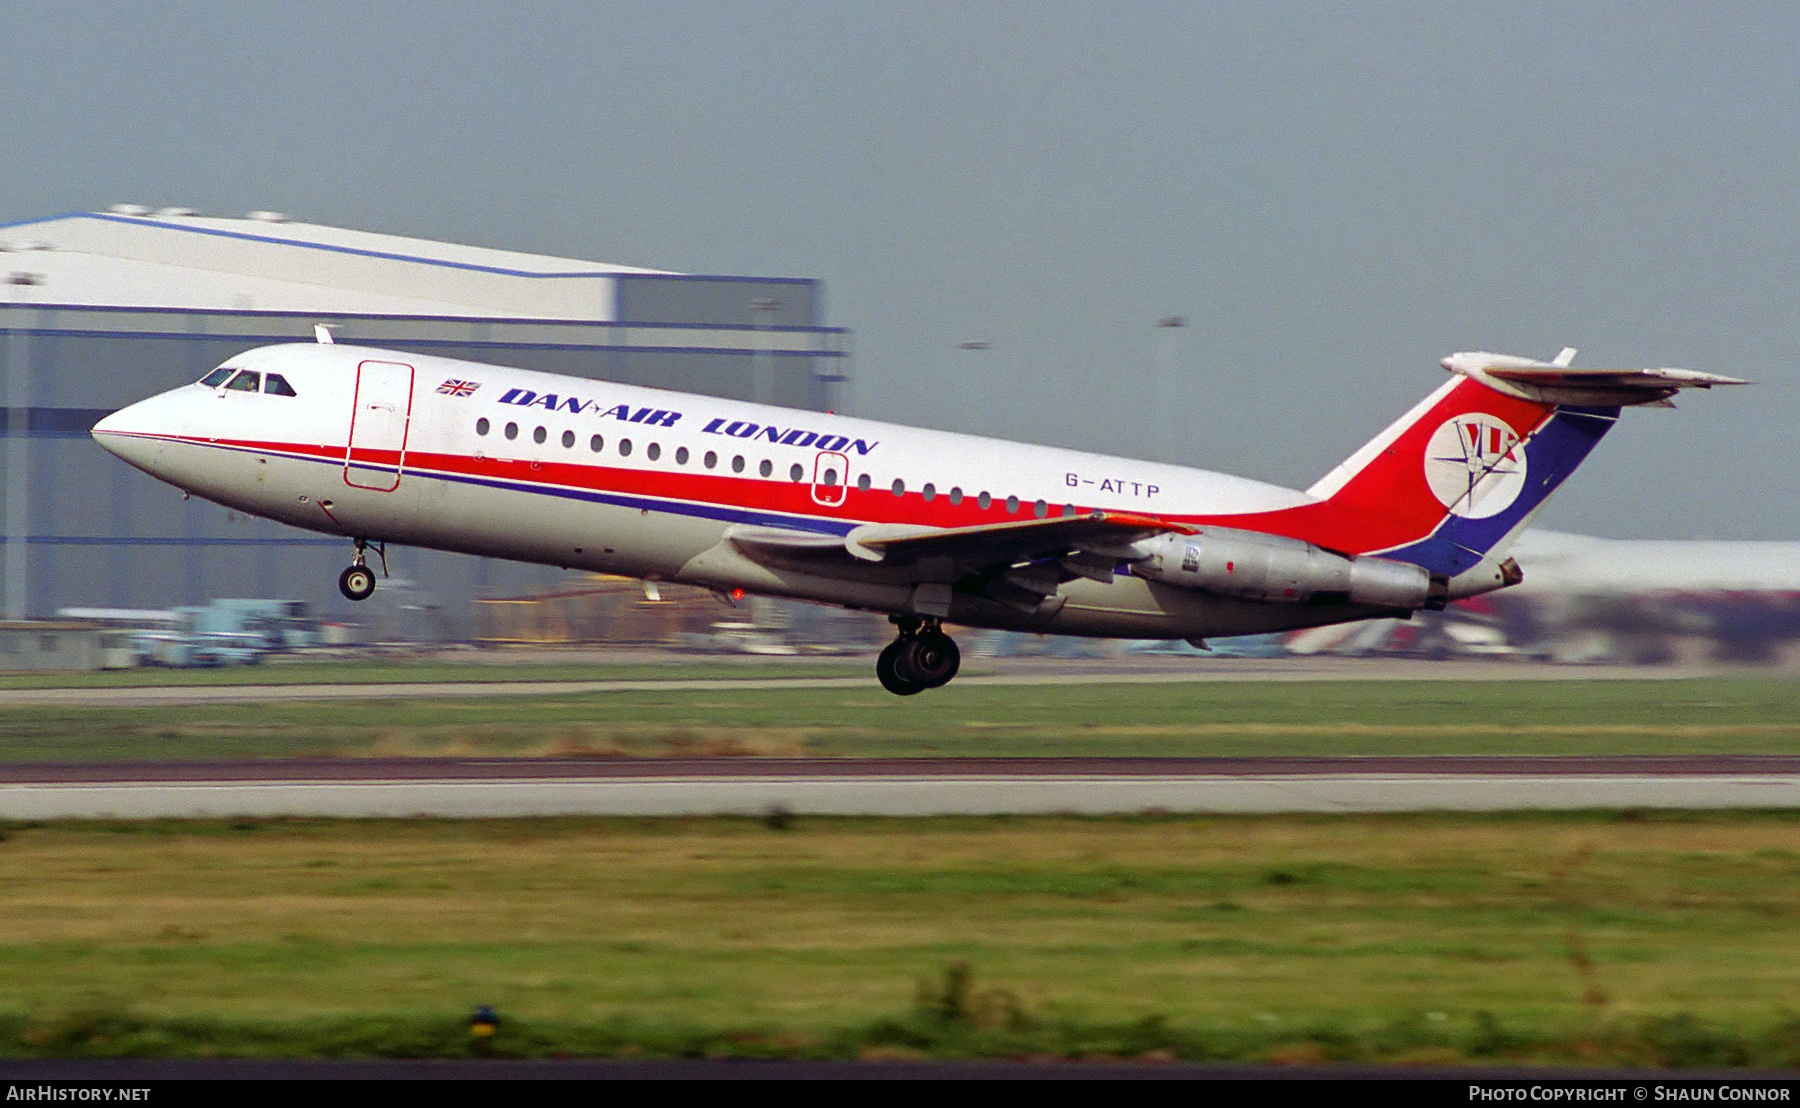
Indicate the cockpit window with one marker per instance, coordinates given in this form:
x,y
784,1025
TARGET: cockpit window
x,y
247,380
217,377
276,385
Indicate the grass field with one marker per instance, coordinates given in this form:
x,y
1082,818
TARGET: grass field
x,y
1632,938
1665,940
1737,715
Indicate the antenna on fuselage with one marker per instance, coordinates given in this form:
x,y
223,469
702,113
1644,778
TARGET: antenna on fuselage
x,y
322,333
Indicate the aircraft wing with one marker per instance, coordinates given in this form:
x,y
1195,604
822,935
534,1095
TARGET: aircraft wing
x,y
1013,563
1006,543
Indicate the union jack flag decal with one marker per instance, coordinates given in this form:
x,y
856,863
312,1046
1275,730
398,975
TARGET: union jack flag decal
x,y
453,387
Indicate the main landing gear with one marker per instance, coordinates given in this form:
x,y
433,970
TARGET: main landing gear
x,y
923,657
358,581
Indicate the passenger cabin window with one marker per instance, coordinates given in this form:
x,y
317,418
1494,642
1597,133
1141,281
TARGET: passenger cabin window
x,y
218,376
276,385
247,380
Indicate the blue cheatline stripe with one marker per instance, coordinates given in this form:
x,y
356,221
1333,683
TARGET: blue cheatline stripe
x,y
1551,454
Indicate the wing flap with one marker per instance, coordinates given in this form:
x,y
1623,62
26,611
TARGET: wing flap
x,y
784,542
1003,544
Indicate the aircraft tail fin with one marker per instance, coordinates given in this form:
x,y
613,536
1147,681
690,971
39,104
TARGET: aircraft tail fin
x,y
1458,476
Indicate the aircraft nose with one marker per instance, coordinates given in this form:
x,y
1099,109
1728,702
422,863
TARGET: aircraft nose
x,y
135,433
122,424
109,426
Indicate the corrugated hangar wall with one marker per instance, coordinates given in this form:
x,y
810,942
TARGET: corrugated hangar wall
x,y
84,529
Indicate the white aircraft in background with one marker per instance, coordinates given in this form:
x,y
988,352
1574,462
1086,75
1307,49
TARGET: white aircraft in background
x,y
1584,565
927,526
1595,599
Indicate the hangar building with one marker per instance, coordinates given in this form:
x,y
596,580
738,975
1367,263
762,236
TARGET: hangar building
x,y
100,309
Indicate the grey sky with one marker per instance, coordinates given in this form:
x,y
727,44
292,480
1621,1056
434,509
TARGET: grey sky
x,y
1334,195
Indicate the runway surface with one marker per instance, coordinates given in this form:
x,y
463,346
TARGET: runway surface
x,y
499,788
983,671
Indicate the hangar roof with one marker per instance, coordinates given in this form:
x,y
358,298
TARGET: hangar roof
x,y
130,256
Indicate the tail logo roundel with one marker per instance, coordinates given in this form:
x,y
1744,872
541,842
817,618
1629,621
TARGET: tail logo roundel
x,y
1475,465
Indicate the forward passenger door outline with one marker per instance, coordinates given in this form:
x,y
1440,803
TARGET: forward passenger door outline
x,y
380,418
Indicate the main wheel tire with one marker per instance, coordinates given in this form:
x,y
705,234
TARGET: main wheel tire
x,y
929,660
357,583
887,673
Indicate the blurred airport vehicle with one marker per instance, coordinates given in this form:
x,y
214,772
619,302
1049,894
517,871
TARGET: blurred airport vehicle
x,y
223,632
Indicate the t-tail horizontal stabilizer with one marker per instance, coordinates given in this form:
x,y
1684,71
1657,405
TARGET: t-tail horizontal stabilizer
x,y
1556,382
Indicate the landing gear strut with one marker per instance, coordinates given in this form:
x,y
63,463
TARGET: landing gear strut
x,y
358,581
923,657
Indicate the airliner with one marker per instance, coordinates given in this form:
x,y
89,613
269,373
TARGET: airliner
x,y
926,526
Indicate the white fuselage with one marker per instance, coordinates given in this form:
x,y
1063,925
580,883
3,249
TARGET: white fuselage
x,y
580,473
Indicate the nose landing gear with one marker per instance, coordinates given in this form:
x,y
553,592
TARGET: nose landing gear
x,y
358,581
923,657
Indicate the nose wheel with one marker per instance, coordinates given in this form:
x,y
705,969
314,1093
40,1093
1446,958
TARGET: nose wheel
x,y
358,581
923,657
